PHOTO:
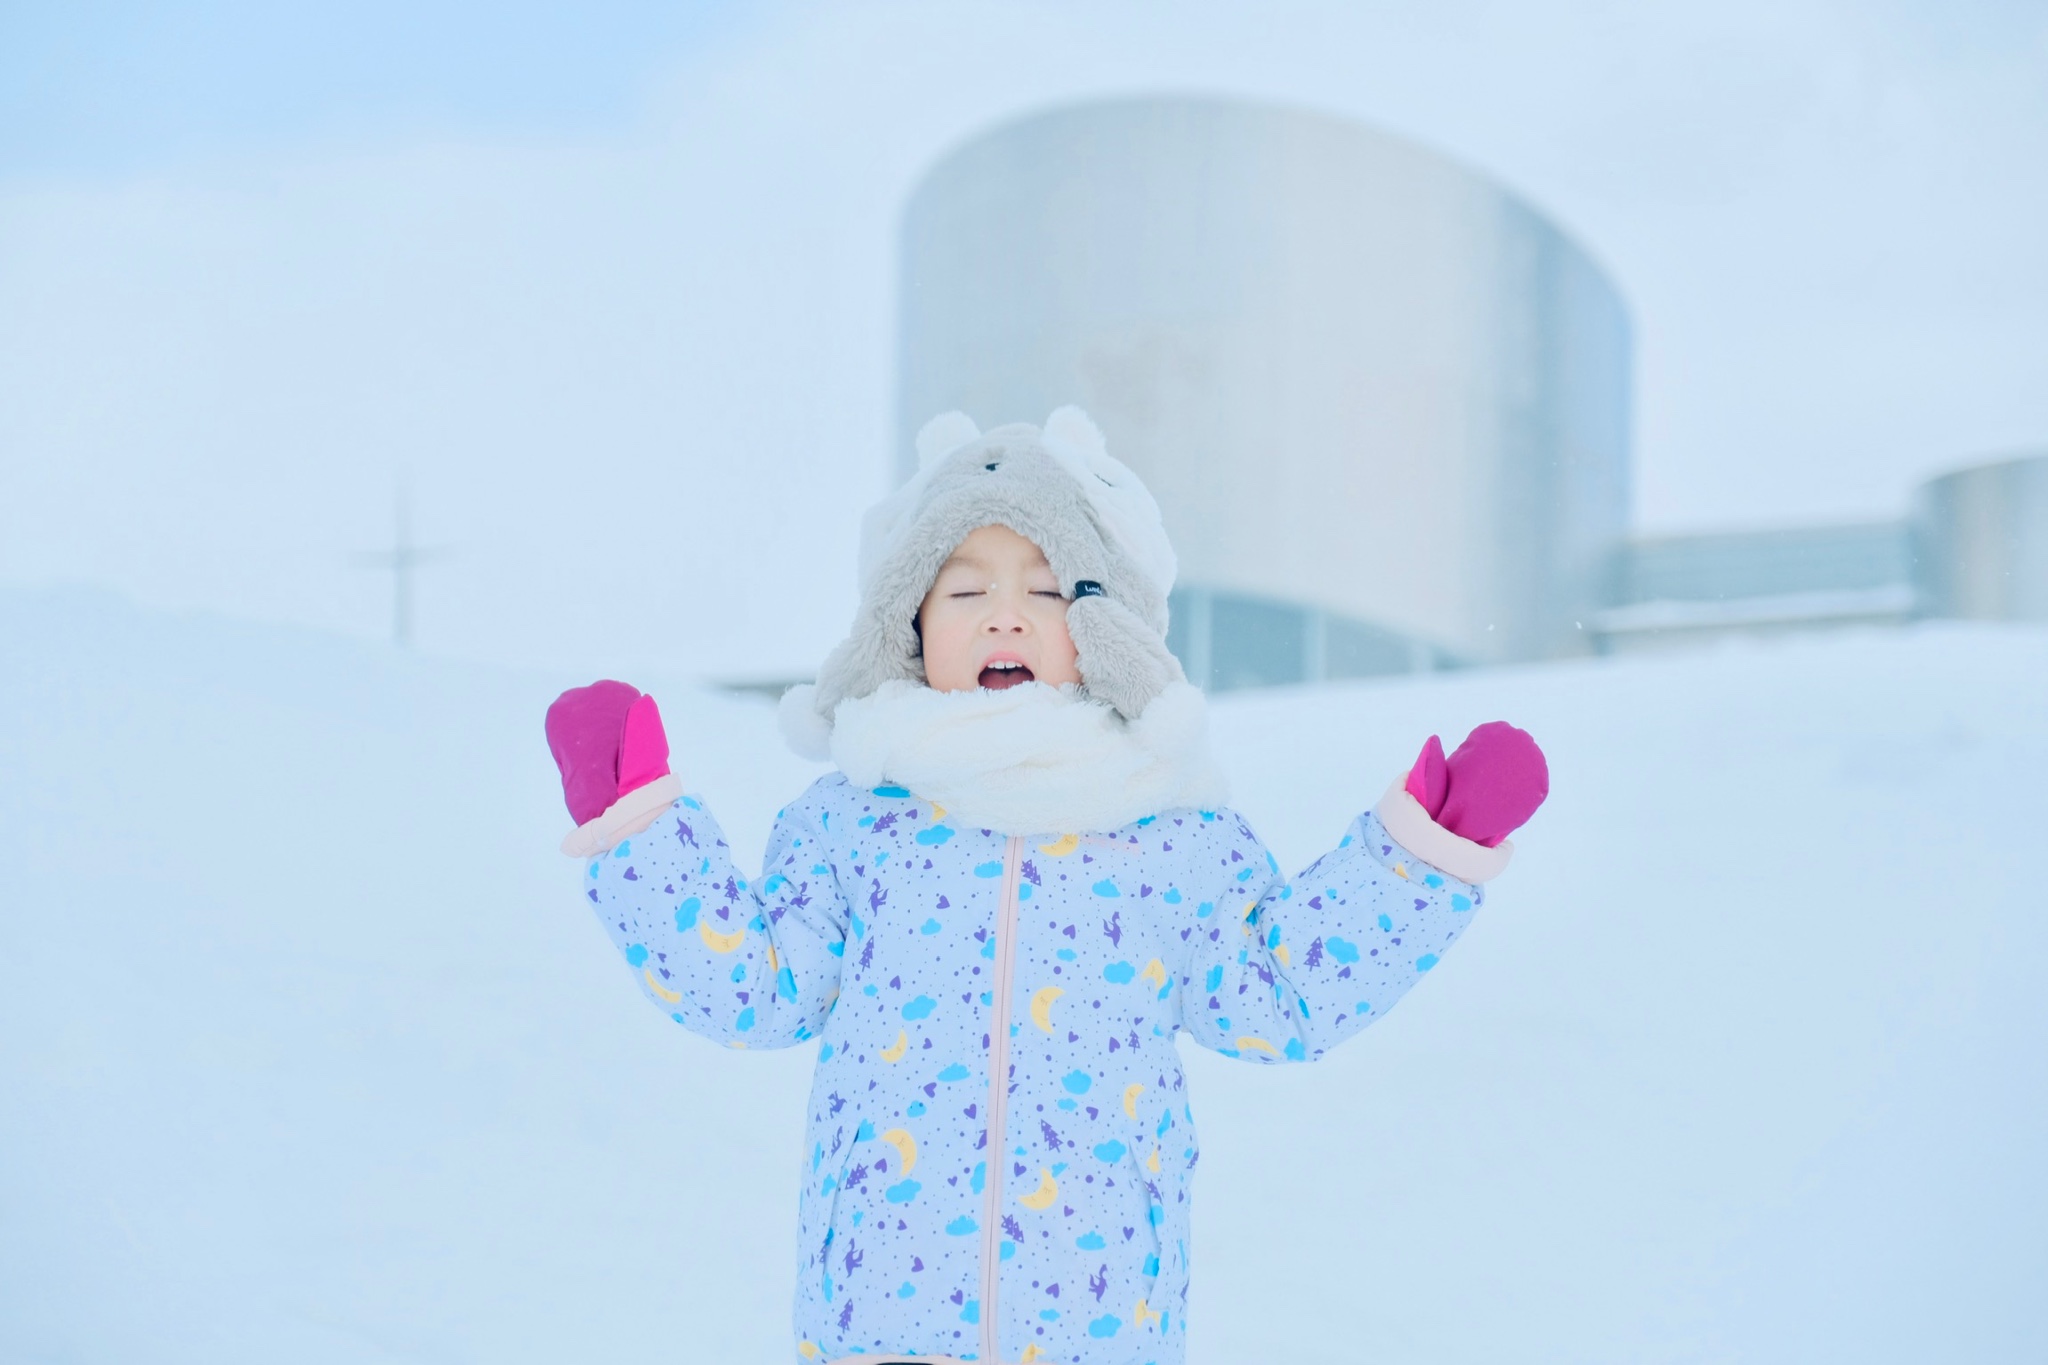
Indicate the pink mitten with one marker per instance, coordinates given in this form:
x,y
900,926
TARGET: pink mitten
x,y
1486,790
609,745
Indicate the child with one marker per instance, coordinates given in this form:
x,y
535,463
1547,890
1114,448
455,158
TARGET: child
x,y
1020,885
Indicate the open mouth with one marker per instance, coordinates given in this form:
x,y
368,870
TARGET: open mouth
x,y
1004,673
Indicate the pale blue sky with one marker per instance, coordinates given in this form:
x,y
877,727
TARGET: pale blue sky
x,y
101,88
613,284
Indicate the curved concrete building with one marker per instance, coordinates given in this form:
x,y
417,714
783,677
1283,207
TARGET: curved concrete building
x,y
1383,402
1981,541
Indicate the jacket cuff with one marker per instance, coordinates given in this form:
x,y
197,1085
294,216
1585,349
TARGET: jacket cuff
x,y
630,814
1409,823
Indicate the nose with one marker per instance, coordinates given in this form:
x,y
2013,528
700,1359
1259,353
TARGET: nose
x,y
1008,616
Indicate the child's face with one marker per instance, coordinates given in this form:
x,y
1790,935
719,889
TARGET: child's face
x,y
996,617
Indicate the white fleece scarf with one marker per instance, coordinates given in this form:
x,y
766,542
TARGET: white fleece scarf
x,y
1028,759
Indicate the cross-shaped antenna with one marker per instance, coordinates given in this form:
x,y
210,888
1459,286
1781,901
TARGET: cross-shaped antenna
x,y
401,559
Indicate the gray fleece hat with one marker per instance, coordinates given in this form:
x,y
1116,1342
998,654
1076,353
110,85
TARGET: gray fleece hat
x,y
1059,488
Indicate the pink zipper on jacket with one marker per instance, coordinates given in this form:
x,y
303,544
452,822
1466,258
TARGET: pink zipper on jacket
x,y
998,1098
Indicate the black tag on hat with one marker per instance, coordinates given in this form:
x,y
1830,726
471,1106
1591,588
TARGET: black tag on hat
x,y
1088,587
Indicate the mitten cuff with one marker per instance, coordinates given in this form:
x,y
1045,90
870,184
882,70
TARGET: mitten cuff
x,y
1412,828
629,814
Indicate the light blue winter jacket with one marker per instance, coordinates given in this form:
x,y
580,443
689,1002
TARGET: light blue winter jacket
x,y
1001,1150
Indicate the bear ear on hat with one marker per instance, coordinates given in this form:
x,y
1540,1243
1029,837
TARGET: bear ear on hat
x,y
1075,430
942,436
1125,507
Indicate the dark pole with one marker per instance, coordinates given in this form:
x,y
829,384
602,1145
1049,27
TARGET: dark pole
x,y
402,559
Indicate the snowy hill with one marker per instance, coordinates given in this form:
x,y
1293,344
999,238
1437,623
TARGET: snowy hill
x,y
309,1051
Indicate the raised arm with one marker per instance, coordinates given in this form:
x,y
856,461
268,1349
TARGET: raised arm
x,y
1284,970
746,965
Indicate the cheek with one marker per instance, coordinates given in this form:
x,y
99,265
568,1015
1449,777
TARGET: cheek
x,y
1057,645
947,641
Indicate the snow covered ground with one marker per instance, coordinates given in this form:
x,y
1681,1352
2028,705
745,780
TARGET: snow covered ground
x,y
309,1052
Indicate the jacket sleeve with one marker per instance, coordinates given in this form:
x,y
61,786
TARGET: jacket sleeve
x,y
748,965
1282,971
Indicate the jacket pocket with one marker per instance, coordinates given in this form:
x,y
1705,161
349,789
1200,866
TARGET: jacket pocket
x,y
1149,1190
1162,1160
1121,1250
819,1223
